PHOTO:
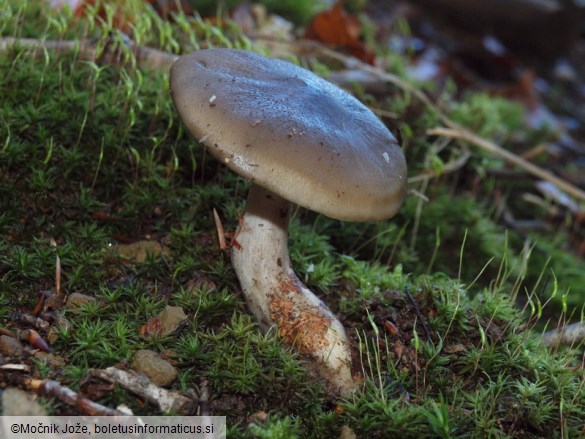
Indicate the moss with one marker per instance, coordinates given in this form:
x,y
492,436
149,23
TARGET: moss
x,y
488,116
564,273
299,12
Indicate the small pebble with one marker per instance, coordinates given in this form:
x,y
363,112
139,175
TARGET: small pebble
x,y
159,371
10,346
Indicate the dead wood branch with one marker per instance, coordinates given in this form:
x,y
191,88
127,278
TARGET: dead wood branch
x,y
140,385
146,57
567,335
465,135
69,397
450,167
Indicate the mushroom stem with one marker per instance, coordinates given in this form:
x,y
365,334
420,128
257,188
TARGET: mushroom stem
x,y
277,297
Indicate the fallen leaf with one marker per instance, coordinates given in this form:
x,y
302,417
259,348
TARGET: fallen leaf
x,y
152,328
336,26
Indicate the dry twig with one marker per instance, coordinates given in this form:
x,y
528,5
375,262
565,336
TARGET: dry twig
x,y
426,329
69,397
463,134
452,166
140,385
35,322
16,367
567,335
147,57
4,331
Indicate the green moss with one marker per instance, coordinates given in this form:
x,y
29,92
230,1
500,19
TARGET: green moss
x,y
564,272
297,11
486,115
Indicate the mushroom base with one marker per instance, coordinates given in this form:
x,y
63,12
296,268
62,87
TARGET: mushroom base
x,y
279,300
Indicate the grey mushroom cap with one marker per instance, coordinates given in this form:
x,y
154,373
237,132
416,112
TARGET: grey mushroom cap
x,y
291,132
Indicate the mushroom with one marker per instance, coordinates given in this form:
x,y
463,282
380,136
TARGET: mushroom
x,y
298,139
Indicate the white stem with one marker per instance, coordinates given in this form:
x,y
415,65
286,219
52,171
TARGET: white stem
x,y
277,297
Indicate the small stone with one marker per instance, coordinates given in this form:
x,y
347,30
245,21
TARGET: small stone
x,y
347,433
16,402
10,346
170,319
76,300
51,359
138,251
54,302
159,371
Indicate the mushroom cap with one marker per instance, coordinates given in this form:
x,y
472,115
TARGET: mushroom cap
x,y
291,132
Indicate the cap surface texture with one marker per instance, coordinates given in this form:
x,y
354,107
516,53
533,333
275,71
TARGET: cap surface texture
x,y
286,129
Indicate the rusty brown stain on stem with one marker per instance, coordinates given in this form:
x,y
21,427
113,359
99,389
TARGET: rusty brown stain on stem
x,y
299,323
